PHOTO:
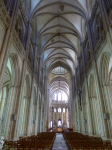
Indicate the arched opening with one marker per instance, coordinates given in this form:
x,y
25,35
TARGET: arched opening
x,y
60,95
4,97
7,97
59,123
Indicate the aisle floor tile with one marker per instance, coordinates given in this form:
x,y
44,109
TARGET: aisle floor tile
x,y
59,143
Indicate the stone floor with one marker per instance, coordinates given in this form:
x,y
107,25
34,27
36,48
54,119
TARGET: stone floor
x,y
59,143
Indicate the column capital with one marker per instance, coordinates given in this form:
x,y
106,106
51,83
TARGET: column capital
x,y
13,86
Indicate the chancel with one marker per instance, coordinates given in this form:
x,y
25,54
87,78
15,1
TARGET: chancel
x,y
55,72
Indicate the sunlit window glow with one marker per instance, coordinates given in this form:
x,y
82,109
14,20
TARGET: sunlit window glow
x,y
64,96
51,124
60,96
55,96
54,109
64,110
59,123
59,110
59,70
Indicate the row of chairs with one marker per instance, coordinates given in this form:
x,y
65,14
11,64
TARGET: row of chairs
x,y
42,141
78,141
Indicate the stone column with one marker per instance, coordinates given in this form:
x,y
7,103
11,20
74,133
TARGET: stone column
x,y
70,114
27,116
57,116
47,108
97,82
62,116
78,111
6,119
24,117
66,117
94,114
37,113
53,117
40,61
12,111
2,112
39,116
75,115
31,106
108,109
109,92
77,103
79,88
40,120
83,119
87,91
23,75
44,113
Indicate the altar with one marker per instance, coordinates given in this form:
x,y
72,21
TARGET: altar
x,y
59,130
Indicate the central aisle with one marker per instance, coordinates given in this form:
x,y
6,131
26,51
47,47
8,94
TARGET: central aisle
x,y
59,143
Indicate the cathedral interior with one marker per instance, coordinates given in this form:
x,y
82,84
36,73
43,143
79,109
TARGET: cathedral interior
x,y
55,67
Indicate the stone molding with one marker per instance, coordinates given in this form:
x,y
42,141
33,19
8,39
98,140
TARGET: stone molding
x,y
32,41
23,14
59,106
93,13
82,80
110,18
89,67
17,43
86,40
100,44
30,68
4,16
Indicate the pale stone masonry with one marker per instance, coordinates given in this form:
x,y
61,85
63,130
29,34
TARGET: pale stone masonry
x,y
55,67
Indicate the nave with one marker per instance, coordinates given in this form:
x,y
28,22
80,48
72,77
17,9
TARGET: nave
x,y
55,70
58,141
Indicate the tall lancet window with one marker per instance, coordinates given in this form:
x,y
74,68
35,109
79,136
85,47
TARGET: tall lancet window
x,y
64,96
59,110
59,96
55,96
63,110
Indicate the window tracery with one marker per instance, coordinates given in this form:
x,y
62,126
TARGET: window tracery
x,y
60,96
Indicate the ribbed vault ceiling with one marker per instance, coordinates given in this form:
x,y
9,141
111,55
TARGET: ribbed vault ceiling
x,y
59,26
